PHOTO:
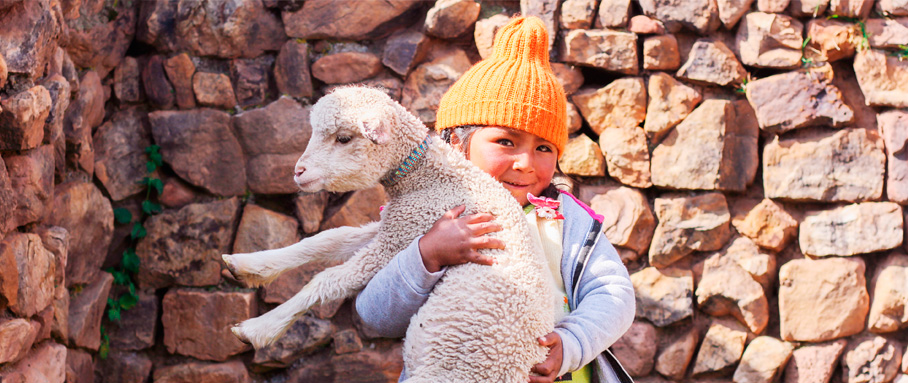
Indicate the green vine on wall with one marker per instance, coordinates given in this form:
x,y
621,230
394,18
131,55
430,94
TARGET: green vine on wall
x,y
124,273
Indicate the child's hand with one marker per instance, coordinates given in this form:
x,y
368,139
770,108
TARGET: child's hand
x,y
453,240
552,363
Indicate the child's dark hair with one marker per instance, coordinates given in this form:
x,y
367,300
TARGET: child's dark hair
x,y
462,135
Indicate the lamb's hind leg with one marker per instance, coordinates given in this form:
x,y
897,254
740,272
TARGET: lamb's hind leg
x,y
262,267
334,283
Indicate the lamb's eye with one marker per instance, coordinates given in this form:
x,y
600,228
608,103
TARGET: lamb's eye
x,y
343,139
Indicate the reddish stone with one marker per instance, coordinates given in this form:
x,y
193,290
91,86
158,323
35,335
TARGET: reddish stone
x,y
251,78
22,118
128,81
35,273
304,337
643,25
605,49
213,89
45,363
893,126
59,89
814,363
79,367
361,208
404,50
197,323
282,127
636,349
381,364
263,229
179,70
200,147
449,19
136,328
120,158
569,76
347,341
86,309
31,176
712,62
100,34
16,338
807,98
359,20
184,247
701,16
84,114
27,38
688,224
81,209
177,193
427,83
291,70
661,53
8,201
158,89
124,367
663,296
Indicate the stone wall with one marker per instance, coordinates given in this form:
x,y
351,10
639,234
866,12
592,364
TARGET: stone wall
x,y
750,158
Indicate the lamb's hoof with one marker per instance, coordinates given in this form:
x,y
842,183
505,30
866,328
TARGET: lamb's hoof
x,y
239,335
232,274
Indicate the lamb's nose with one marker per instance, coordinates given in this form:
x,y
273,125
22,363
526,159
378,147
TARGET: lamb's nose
x,y
299,171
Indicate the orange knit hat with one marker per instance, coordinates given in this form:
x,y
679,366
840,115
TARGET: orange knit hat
x,y
513,88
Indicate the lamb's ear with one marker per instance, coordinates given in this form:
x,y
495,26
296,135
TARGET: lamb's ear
x,y
375,130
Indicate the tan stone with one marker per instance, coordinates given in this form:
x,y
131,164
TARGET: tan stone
x,y
883,78
830,40
730,11
601,48
721,349
768,225
644,25
661,53
808,8
853,229
893,126
707,150
86,309
179,70
31,176
16,337
574,119
262,229
612,13
763,360
36,269
582,157
700,16
760,264
214,90
427,83
688,224
197,323
871,358
291,69
570,77
81,209
663,296
192,258
814,363
823,299
636,349
793,100
579,14
769,40
627,155
448,19
545,10
45,363
628,220
22,117
729,289
711,62
484,33
676,352
889,309
60,95
772,6
230,372
858,9
670,101
620,104
822,165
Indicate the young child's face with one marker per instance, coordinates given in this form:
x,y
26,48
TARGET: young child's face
x,y
521,161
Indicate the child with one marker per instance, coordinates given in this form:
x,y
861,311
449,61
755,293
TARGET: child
x,y
507,114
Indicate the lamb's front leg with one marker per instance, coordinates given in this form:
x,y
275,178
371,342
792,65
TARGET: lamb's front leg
x,y
333,283
263,267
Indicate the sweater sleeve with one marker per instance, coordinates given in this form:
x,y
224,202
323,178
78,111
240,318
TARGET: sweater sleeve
x,y
396,292
605,311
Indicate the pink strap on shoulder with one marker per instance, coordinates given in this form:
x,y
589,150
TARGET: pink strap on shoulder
x,y
588,209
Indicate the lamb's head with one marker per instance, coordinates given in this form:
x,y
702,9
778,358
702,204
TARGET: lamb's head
x,y
359,134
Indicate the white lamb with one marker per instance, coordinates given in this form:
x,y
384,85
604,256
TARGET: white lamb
x,y
480,323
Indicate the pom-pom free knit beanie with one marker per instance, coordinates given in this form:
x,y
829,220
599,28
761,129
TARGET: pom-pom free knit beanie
x,y
513,88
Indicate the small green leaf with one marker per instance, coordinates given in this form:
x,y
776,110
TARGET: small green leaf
x,y
104,349
113,313
152,149
151,208
150,166
122,215
156,158
157,184
120,277
127,302
138,231
130,261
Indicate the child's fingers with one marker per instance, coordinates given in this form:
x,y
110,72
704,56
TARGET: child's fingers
x,y
455,212
484,228
548,340
479,217
480,259
486,242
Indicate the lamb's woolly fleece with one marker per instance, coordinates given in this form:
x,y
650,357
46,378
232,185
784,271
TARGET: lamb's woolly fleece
x,y
480,323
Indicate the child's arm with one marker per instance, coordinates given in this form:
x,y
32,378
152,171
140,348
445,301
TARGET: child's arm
x,y
605,311
397,291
